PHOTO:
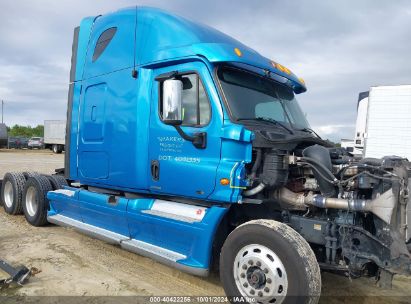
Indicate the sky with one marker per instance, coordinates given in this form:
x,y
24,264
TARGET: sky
x,y
339,47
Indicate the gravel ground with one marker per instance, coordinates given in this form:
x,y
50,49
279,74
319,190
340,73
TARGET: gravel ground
x,y
72,264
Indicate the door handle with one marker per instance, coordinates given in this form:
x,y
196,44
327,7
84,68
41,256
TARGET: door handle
x,y
93,113
155,170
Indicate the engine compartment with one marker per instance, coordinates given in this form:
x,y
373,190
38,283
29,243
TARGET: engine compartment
x,y
354,212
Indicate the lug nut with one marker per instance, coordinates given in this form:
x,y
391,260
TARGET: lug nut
x,y
260,294
268,281
250,262
265,270
258,263
267,289
242,275
244,266
245,285
252,291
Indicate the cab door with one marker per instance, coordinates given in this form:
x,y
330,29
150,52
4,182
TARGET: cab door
x,y
177,166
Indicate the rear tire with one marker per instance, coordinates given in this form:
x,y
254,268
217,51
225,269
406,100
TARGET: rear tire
x,y
57,181
12,192
35,202
29,174
269,262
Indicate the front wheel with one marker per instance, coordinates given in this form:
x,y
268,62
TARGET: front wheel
x,y
269,262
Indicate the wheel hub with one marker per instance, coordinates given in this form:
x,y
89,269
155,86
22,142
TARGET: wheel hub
x,y
260,273
31,201
8,194
256,277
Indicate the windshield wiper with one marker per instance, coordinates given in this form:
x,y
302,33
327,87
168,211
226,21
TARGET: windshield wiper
x,y
270,120
309,130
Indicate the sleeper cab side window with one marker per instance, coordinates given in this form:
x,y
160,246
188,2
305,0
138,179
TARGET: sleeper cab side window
x,y
103,41
195,104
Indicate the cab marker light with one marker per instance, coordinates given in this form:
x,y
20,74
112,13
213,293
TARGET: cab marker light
x,y
224,181
281,67
238,52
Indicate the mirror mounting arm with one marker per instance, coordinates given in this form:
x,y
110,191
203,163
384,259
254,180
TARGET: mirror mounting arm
x,y
166,76
199,140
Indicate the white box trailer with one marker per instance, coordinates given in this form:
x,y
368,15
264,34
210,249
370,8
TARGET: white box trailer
x,y
388,126
361,123
55,135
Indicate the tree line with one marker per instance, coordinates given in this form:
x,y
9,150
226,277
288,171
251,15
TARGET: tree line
x,y
26,131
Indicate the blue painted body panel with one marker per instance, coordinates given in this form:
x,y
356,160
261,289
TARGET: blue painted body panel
x,y
119,53
97,211
64,205
235,153
108,145
191,239
164,36
127,218
86,26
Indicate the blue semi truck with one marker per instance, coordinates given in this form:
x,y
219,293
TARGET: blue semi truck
x,y
189,147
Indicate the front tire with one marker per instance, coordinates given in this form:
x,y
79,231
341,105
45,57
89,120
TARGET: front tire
x,y
269,262
35,202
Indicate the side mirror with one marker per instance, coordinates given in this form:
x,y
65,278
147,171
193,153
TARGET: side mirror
x,y
171,103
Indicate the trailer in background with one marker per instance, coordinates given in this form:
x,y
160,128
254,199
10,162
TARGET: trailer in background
x,y
388,122
3,135
361,123
55,135
349,146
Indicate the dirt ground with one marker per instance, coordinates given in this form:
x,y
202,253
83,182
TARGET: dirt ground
x,y
72,264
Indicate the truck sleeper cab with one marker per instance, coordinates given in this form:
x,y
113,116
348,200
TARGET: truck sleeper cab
x,y
187,146
127,140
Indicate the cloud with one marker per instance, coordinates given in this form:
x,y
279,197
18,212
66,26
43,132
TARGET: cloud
x,y
330,131
339,47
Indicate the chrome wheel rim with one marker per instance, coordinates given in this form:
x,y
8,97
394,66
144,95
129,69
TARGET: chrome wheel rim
x,y
259,273
8,194
31,201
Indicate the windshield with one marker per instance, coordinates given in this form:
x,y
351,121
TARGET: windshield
x,y
253,97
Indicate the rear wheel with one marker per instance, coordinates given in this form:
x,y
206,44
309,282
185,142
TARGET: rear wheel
x,y
57,181
57,149
35,202
29,174
269,262
12,192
